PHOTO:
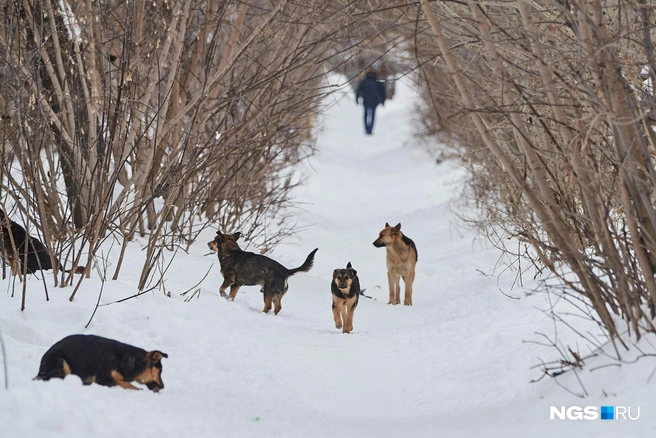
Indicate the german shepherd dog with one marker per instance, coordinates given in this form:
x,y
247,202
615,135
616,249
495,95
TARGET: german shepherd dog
x,y
401,261
346,293
242,268
103,361
16,242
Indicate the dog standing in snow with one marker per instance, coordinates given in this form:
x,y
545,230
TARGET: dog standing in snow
x,y
401,261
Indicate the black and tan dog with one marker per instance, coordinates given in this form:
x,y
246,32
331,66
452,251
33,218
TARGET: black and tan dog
x,y
401,261
242,268
103,361
346,293
15,242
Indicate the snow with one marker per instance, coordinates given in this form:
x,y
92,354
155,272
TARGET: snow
x,y
456,363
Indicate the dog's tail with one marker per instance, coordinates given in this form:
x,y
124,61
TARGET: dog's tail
x,y
306,266
366,296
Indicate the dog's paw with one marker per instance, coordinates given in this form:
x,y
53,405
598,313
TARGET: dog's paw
x,y
339,326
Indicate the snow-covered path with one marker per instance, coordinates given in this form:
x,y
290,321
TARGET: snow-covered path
x,y
454,364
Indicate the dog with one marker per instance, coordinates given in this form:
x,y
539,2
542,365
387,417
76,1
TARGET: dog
x,y
242,268
103,361
345,288
16,242
401,261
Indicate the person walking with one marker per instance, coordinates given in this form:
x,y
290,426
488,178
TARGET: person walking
x,y
372,93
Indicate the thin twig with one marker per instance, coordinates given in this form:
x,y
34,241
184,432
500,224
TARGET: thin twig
x,y
197,284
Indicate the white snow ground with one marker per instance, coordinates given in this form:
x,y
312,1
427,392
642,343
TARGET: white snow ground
x,y
455,364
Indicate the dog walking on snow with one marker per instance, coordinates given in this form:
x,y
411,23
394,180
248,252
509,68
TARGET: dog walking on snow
x,y
345,288
242,268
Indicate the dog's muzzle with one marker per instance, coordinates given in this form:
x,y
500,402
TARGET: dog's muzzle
x,y
154,386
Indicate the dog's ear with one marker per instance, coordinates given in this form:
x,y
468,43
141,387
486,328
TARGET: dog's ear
x,y
397,228
155,356
218,233
348,266
237,235
387,225
335,273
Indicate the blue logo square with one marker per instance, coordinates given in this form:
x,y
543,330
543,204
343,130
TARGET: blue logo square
x,y
608,412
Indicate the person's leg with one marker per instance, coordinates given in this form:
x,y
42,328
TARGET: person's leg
x,y
368,119
371,123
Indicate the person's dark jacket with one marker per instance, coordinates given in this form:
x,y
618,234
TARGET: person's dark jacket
x,y
371,91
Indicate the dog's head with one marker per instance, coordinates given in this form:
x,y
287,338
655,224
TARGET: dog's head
x,y
224,243
388,235
151,376
343,278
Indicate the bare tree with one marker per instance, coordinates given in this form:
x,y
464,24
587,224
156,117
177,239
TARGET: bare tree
x,y
161,118
560,150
